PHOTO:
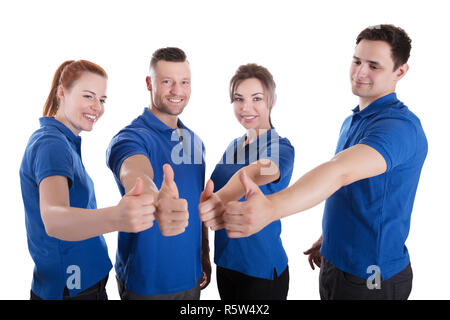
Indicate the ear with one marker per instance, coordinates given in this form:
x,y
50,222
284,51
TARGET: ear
x,y
274,99
60,92
148,80
401,71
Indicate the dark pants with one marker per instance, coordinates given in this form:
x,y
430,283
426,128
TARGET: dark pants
x,y
191,294
96,292
335,284
235,285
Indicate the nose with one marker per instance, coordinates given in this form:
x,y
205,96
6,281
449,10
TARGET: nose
x,y
97,105
176,89
246,105
362,70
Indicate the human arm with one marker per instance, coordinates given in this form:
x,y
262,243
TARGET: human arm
x,y
313,253
212,205
206,262
171,211
134,212
350,165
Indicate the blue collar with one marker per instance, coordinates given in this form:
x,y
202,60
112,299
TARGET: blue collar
x,y
378,105
52,122
269,133
152,121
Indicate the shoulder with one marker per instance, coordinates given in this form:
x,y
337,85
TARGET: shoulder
x,y
48,138
285,143
282,142
137,131
395,122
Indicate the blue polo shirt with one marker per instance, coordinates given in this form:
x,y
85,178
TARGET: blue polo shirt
x,y
55,150
147,262
262,253
367,222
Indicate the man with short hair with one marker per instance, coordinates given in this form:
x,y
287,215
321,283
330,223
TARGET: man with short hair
x,y
165,261
369,185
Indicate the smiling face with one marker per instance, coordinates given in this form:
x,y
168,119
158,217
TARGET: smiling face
x,y
372,71
170,87
250,103
83,104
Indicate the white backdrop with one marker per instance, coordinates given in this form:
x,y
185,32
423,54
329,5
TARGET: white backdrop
x,y
307,46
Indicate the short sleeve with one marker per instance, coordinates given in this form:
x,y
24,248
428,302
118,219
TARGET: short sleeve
x,y
394,138
282,153
52,156
287,154
125,144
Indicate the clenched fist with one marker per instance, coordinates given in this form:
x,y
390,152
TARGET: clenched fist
x,y
211,208
171,211
135,211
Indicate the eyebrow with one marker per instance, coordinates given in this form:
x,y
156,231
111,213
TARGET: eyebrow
x,y
370,61
94,93
240,95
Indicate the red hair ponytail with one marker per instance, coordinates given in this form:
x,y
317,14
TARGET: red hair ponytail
x,y
67,73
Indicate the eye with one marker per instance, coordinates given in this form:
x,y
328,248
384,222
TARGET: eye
x,y
374,67
257,99
186,83
357,62
87,96
167,81
102,101
238,99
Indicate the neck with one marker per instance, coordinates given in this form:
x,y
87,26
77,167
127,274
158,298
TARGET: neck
x,y
366,101
61,118
253,134
168,119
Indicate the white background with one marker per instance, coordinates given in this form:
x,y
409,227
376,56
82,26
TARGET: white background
x,y
307,46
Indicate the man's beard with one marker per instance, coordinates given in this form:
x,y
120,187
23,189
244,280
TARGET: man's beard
x,y
164,108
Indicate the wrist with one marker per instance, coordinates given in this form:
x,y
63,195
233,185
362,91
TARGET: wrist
x,y
223,196
273,208
112,217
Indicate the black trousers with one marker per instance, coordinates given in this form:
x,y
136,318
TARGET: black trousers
x,y
96,292
335,284
191,294
235,285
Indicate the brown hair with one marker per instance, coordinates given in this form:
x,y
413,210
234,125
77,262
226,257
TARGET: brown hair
x,y
67,73
396,37
171,54
252,70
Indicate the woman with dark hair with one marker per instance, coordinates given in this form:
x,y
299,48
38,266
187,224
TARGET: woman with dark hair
x,y
64,226
255,267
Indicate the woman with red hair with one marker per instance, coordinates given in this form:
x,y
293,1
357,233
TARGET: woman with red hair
x,y
64,226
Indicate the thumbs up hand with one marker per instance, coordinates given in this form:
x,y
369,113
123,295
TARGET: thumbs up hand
x,y
135,211
211,208
171,211
243,219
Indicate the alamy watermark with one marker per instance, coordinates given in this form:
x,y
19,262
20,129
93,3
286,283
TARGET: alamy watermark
x,y
374,280
74,280
182,152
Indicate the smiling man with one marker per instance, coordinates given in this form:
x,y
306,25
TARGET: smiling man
x,y
369,185
165,261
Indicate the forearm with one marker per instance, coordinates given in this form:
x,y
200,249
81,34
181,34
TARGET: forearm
x,y
128,180
76,224
205,241
234,189
310,190
137,166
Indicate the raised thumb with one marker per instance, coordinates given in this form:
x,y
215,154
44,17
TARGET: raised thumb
x,y
168,180
137,189
209,190
250,187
